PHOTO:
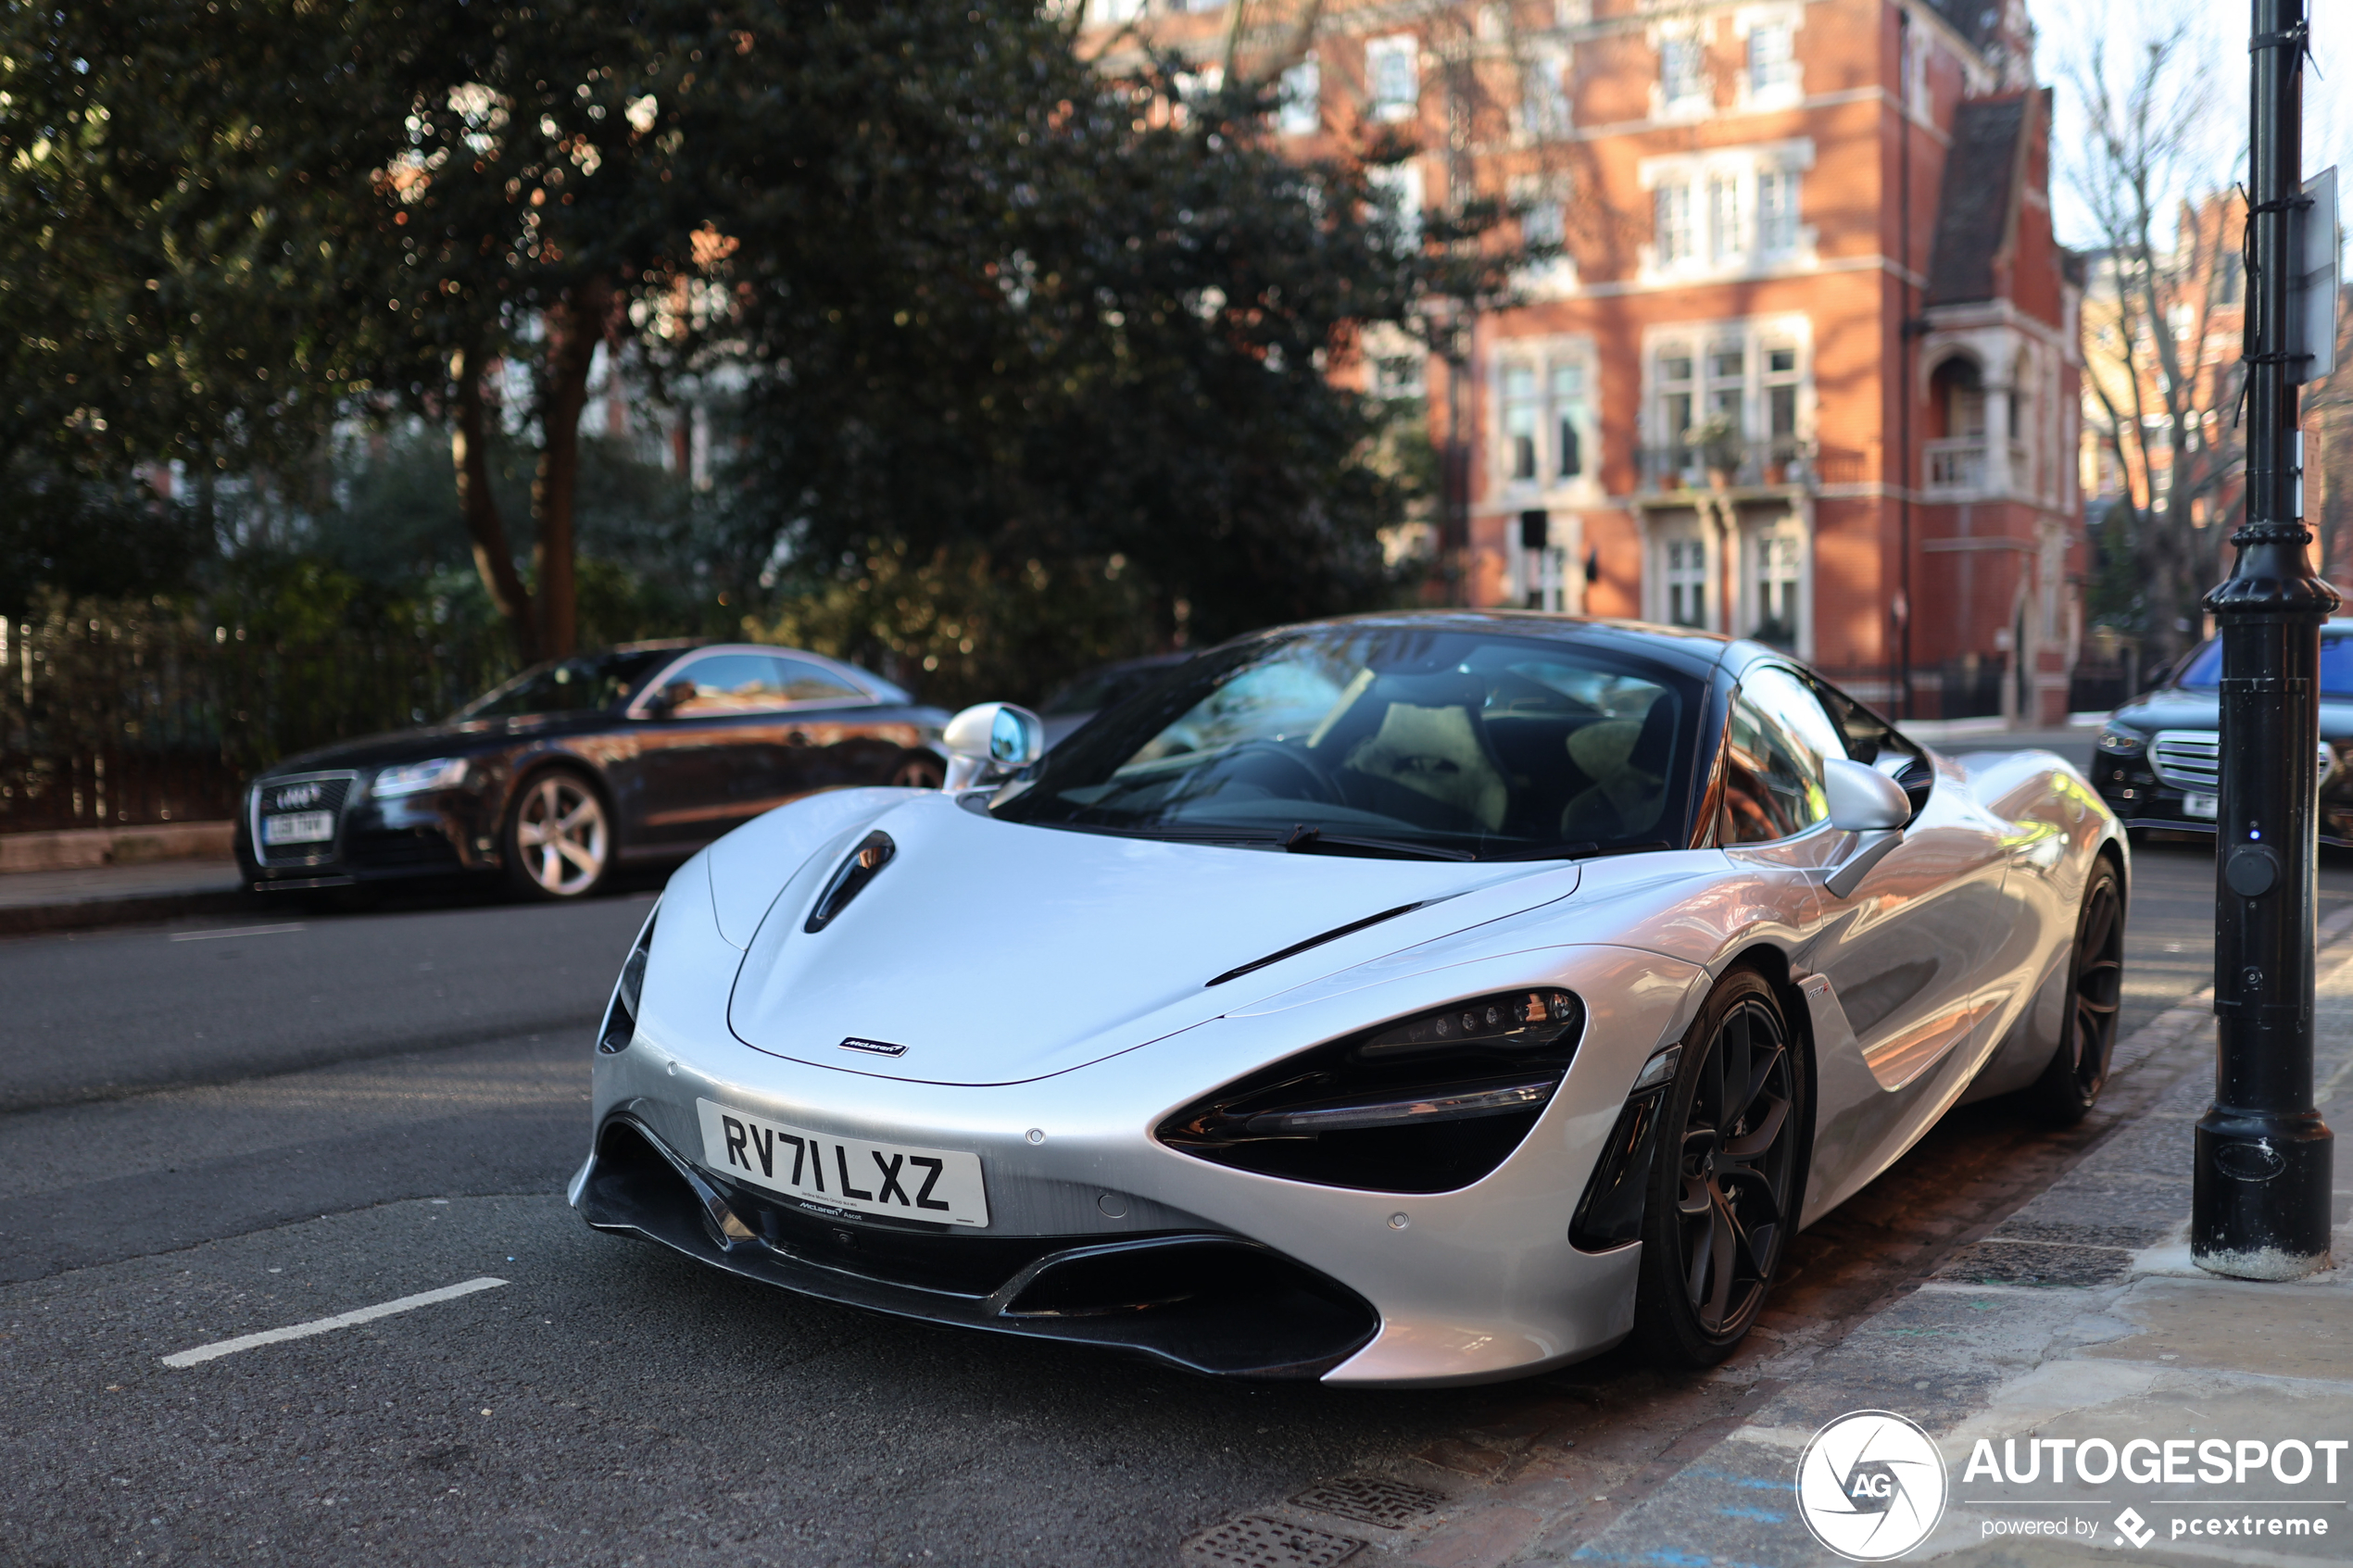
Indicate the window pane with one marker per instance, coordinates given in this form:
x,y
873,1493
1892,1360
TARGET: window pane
x,y
804,681
1301,113
1686,583
1571,444
732,682
1675,368
1725,364
1725,213
1784,404
1781,362
1773,754
1776,592
1771,62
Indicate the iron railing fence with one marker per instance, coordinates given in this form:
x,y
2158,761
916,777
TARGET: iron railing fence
x,y
1780,462
115,714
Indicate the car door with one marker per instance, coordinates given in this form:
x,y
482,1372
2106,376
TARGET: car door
x,y
715,752
1908,953
830,734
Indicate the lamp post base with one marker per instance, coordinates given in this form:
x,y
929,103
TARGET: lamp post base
x,y
2261,1203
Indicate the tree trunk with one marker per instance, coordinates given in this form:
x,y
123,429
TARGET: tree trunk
x,y
575,325
470,454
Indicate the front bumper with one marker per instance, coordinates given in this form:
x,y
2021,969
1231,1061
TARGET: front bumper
x,y
1206,1302
426,835
1467,1286
2140,799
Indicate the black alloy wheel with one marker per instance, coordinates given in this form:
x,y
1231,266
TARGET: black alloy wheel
x,y
1728,1180
2070,1087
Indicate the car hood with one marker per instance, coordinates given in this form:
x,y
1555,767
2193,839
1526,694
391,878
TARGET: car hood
x,y
2171,707
995,952
439,740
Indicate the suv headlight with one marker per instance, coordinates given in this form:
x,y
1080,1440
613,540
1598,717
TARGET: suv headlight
x,y
1424,1104
414,778
2123,742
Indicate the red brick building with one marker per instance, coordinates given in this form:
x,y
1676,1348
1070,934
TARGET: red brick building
x,y
1806,368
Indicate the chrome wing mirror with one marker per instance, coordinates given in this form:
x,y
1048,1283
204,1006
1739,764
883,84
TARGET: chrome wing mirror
x,y
988,744
1863,800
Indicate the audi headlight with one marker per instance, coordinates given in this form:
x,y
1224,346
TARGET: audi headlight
x,y
414,778
620,1013
2123,742
1425,1104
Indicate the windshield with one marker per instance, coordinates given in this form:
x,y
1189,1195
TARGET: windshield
x,y
569,686
2203,672
1396,740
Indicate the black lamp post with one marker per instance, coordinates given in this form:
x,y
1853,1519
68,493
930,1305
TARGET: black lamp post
x,y
2260,1209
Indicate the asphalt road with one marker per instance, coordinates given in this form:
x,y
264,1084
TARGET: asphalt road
x,y
210,1134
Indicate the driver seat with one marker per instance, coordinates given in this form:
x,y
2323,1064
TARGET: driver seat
x,y
1440,753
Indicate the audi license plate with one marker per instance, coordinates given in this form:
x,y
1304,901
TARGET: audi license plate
x,y
298,827
940,1185
2207,807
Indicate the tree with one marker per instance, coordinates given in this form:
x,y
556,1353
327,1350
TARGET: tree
x,y
2160,326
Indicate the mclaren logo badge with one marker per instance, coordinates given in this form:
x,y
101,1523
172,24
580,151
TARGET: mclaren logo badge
x,y
873,1047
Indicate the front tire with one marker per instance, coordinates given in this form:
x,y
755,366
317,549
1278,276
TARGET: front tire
x,y
2072,1084
559,837
1728,1183
919,769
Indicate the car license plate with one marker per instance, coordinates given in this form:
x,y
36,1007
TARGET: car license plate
x,y
2205,806
298,827
940,1185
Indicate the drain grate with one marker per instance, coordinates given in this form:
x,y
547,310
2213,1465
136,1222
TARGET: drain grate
x,y
1371,1500
1253,1541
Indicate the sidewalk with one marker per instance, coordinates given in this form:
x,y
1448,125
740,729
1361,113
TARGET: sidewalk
x,y
125,895
2079,1319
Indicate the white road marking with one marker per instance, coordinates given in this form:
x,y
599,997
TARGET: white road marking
x,y
328,1325
233,931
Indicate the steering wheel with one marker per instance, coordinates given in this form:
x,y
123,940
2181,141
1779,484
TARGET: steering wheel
x,y
1320,787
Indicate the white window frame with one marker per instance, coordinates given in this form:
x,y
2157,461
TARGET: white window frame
x,y
1684,564
1715,253
1787,90
1758,536
1757,336
1689,97
1675,226
1396,52
1546,111
1543,359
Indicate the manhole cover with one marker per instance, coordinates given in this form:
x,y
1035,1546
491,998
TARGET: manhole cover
x,y
1256,1542
1390,1504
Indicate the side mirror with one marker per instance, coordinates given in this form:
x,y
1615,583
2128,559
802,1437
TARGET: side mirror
x,y
1867,801
989,742
1863,799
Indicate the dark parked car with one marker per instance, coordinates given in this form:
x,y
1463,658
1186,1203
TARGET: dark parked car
x,y
643,753
2159,759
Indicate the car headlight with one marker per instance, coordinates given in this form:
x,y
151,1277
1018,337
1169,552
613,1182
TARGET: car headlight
x,y
620,1013
413,778
1425,1104
2123,742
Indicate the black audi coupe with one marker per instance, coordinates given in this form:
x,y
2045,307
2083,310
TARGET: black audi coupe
x,y
640,753
2160,762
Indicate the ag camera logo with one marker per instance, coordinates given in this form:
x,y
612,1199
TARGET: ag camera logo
x,y
1870,1486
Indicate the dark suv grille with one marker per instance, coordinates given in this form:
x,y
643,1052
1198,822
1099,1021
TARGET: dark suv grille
x,y
2188,758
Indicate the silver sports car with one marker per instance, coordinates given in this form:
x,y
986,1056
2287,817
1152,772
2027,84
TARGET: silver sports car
x,y
1418,998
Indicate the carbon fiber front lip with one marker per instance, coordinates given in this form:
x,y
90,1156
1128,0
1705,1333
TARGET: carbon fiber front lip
x,y
1292,1335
